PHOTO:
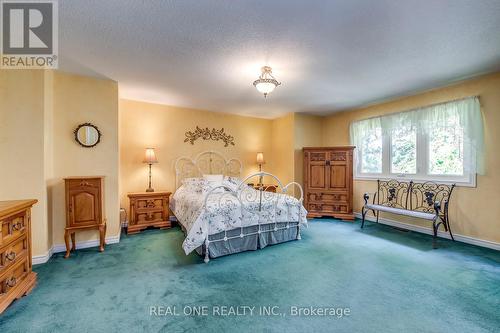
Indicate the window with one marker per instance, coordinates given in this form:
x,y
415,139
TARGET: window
x,y
442,143
372,148
404,151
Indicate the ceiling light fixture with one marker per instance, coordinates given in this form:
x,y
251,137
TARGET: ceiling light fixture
x,y
266,81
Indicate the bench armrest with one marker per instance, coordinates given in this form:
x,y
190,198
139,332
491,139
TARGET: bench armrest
x,y
366,197
437,207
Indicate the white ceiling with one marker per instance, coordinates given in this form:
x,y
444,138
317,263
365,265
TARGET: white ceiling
x,y
329,55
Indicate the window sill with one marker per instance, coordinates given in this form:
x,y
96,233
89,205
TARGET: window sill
x,y
439,180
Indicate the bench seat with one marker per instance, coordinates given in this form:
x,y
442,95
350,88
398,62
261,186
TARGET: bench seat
x,y
401,211
427,201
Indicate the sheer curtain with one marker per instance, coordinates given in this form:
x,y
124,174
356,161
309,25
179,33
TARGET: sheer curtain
x,y
464,114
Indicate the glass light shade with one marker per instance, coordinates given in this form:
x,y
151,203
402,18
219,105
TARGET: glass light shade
x,y
150,156
265,87
260,158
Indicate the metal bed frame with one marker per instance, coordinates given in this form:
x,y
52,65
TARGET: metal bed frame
x,y
211,162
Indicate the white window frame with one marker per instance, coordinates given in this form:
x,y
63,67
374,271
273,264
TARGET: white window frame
x,y
422,175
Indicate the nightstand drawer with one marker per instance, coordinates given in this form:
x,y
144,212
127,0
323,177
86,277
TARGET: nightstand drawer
x,y
148,204
149,217
13,227
13,277
12,253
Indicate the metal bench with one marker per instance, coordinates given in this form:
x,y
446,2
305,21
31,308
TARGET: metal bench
x,y
428,201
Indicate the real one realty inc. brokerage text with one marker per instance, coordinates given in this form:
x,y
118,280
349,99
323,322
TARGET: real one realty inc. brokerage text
x,y
248,310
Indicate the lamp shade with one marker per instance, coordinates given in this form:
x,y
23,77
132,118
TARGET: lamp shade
x,y
265,87
150,156
260,158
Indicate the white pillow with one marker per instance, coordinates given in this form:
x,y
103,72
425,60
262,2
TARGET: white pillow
x,y
214,178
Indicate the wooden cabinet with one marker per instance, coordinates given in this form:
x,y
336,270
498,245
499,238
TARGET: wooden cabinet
x,y
16,277
148,209
84,208
328,184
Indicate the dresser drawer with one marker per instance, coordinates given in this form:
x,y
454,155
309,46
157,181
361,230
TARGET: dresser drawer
x,y
12,253
13,277
149,204
13,227
150,210
321,197
328,208
149,217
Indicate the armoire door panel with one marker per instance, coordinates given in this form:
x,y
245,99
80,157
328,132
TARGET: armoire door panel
x,y
338,176
317,176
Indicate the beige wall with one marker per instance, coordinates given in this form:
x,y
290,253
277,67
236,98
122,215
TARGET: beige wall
x,y
281,161
38,113
22,168
76,100
308,132
473,211
163,127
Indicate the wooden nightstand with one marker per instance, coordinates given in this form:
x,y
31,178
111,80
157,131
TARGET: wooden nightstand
x,y
265,187
148,209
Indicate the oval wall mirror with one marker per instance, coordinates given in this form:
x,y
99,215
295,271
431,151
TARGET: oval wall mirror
x,y
87,135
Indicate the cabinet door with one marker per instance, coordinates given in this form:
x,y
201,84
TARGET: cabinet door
x,y
84,205
318,177
338,170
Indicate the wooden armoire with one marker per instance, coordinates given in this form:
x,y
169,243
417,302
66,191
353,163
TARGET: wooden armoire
x,y
328,181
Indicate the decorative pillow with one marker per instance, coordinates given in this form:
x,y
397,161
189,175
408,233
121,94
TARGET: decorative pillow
x,y
194,182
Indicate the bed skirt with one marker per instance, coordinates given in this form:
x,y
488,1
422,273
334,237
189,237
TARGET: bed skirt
x,y
268,236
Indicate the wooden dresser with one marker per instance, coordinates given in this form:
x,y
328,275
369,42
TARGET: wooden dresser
x,y
148,209
16,277
328,185
84,208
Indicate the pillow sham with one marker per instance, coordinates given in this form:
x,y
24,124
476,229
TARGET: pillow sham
x,y
214,178
195,182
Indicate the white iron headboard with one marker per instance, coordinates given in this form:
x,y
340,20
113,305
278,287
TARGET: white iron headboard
x,y
206,163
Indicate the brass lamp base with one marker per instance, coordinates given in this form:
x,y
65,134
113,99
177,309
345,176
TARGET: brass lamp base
x,y
150,190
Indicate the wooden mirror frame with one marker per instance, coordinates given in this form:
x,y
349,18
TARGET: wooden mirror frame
x,y
81,143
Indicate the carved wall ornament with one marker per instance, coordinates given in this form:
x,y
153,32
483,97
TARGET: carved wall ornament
x,y
207,134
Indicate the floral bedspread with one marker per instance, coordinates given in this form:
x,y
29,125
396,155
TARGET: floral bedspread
x,y
224,211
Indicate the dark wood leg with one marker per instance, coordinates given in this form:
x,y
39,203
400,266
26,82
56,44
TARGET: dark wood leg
x,y
73,242
66,240
102,231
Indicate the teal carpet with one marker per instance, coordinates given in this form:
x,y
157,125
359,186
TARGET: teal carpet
x,y
389,280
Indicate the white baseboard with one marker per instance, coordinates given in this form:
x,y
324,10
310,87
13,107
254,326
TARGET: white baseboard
x,y
42,259
424,230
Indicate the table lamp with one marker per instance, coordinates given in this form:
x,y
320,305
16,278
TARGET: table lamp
x,y
150,158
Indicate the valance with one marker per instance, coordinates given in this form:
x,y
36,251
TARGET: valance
x,y
463,115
